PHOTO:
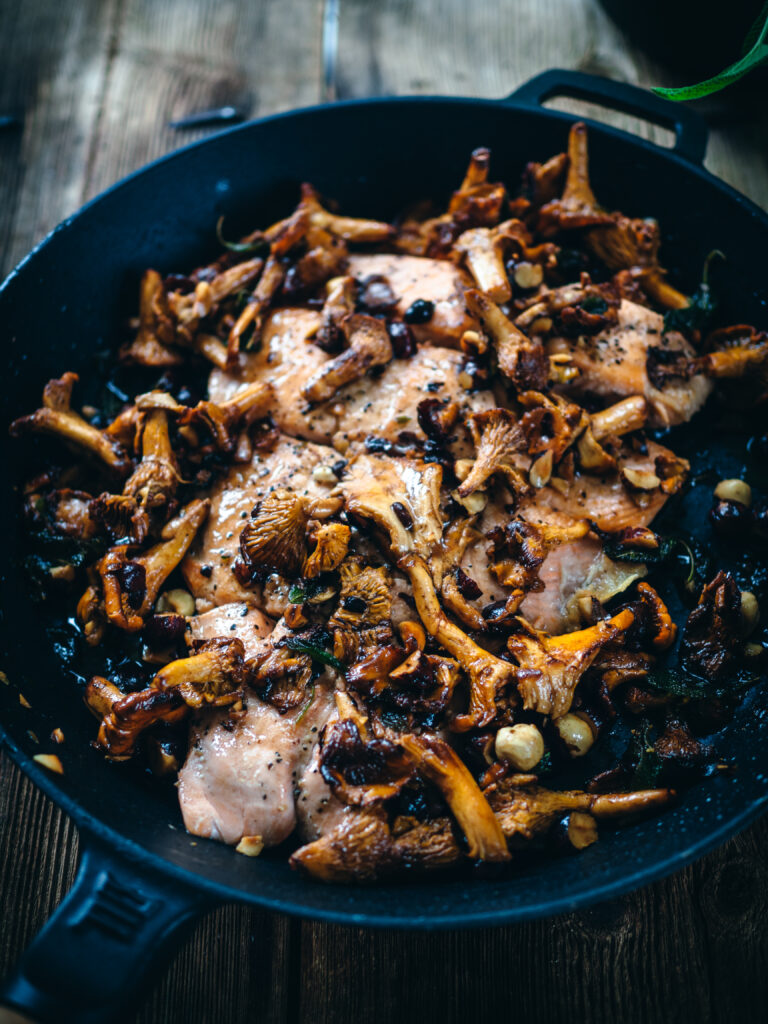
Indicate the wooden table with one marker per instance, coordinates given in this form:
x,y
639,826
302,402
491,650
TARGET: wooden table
x,y
97,82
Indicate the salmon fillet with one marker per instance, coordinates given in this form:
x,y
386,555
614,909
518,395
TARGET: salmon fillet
x,y
233,620
256,774
240,773
605,500
207,567
382,406
612,365
417,277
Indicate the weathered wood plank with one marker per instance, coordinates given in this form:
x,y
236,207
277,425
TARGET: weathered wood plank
x,y
54,59
177,58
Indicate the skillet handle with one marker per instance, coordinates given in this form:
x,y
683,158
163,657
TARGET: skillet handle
x,y
94,958
690,128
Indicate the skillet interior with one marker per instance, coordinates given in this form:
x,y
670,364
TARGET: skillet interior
x,y
61,307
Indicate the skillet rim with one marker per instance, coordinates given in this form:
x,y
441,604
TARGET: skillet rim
x,y
94,830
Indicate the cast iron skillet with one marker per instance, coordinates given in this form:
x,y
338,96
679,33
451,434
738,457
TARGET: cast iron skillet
x,y
141,877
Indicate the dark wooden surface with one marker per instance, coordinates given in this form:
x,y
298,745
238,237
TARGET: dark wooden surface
x,y
97,82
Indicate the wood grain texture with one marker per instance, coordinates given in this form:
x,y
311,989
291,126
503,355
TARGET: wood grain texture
x,y
98,81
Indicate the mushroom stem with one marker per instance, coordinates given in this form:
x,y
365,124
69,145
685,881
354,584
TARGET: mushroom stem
x,y
439,763
487,674
622,418
57,418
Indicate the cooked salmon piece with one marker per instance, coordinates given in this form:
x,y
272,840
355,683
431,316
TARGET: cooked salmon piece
x,y
416,277
612,365
241,772
605,500
256,774
238,620
207,567
380,406
569,567
563,571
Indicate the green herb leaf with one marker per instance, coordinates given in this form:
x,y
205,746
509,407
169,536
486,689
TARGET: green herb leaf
x,y
647,763
295,643
257,245
649,556
754,54
680,684
700,310
307,706
296,594
594,304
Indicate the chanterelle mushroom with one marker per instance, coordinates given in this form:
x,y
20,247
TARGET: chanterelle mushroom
x,y
521,359
274,538
366,595
439,763
525,809
156,478
498,440
550,667
130,586
369,346
156,326
331,546
57,418
212,676
482,249
402,498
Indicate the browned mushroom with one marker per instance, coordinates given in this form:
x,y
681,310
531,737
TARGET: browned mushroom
x,y
712,635
438,762
213,676
341,296
525,809
351,229
362,771
457,589
331,546
130,586
274,538
550,667
521,359
366,595
499,441
477,203
156,330
402,499
363,847
577,206
57,418
368,346
482,250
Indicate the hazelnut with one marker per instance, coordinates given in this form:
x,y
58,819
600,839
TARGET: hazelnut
x,y
522,745
576,733
540,472
51,762
179,601
474,503
324,475
250,846
734,490
750,611
528,275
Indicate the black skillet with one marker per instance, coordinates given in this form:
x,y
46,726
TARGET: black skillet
x,y
141,878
